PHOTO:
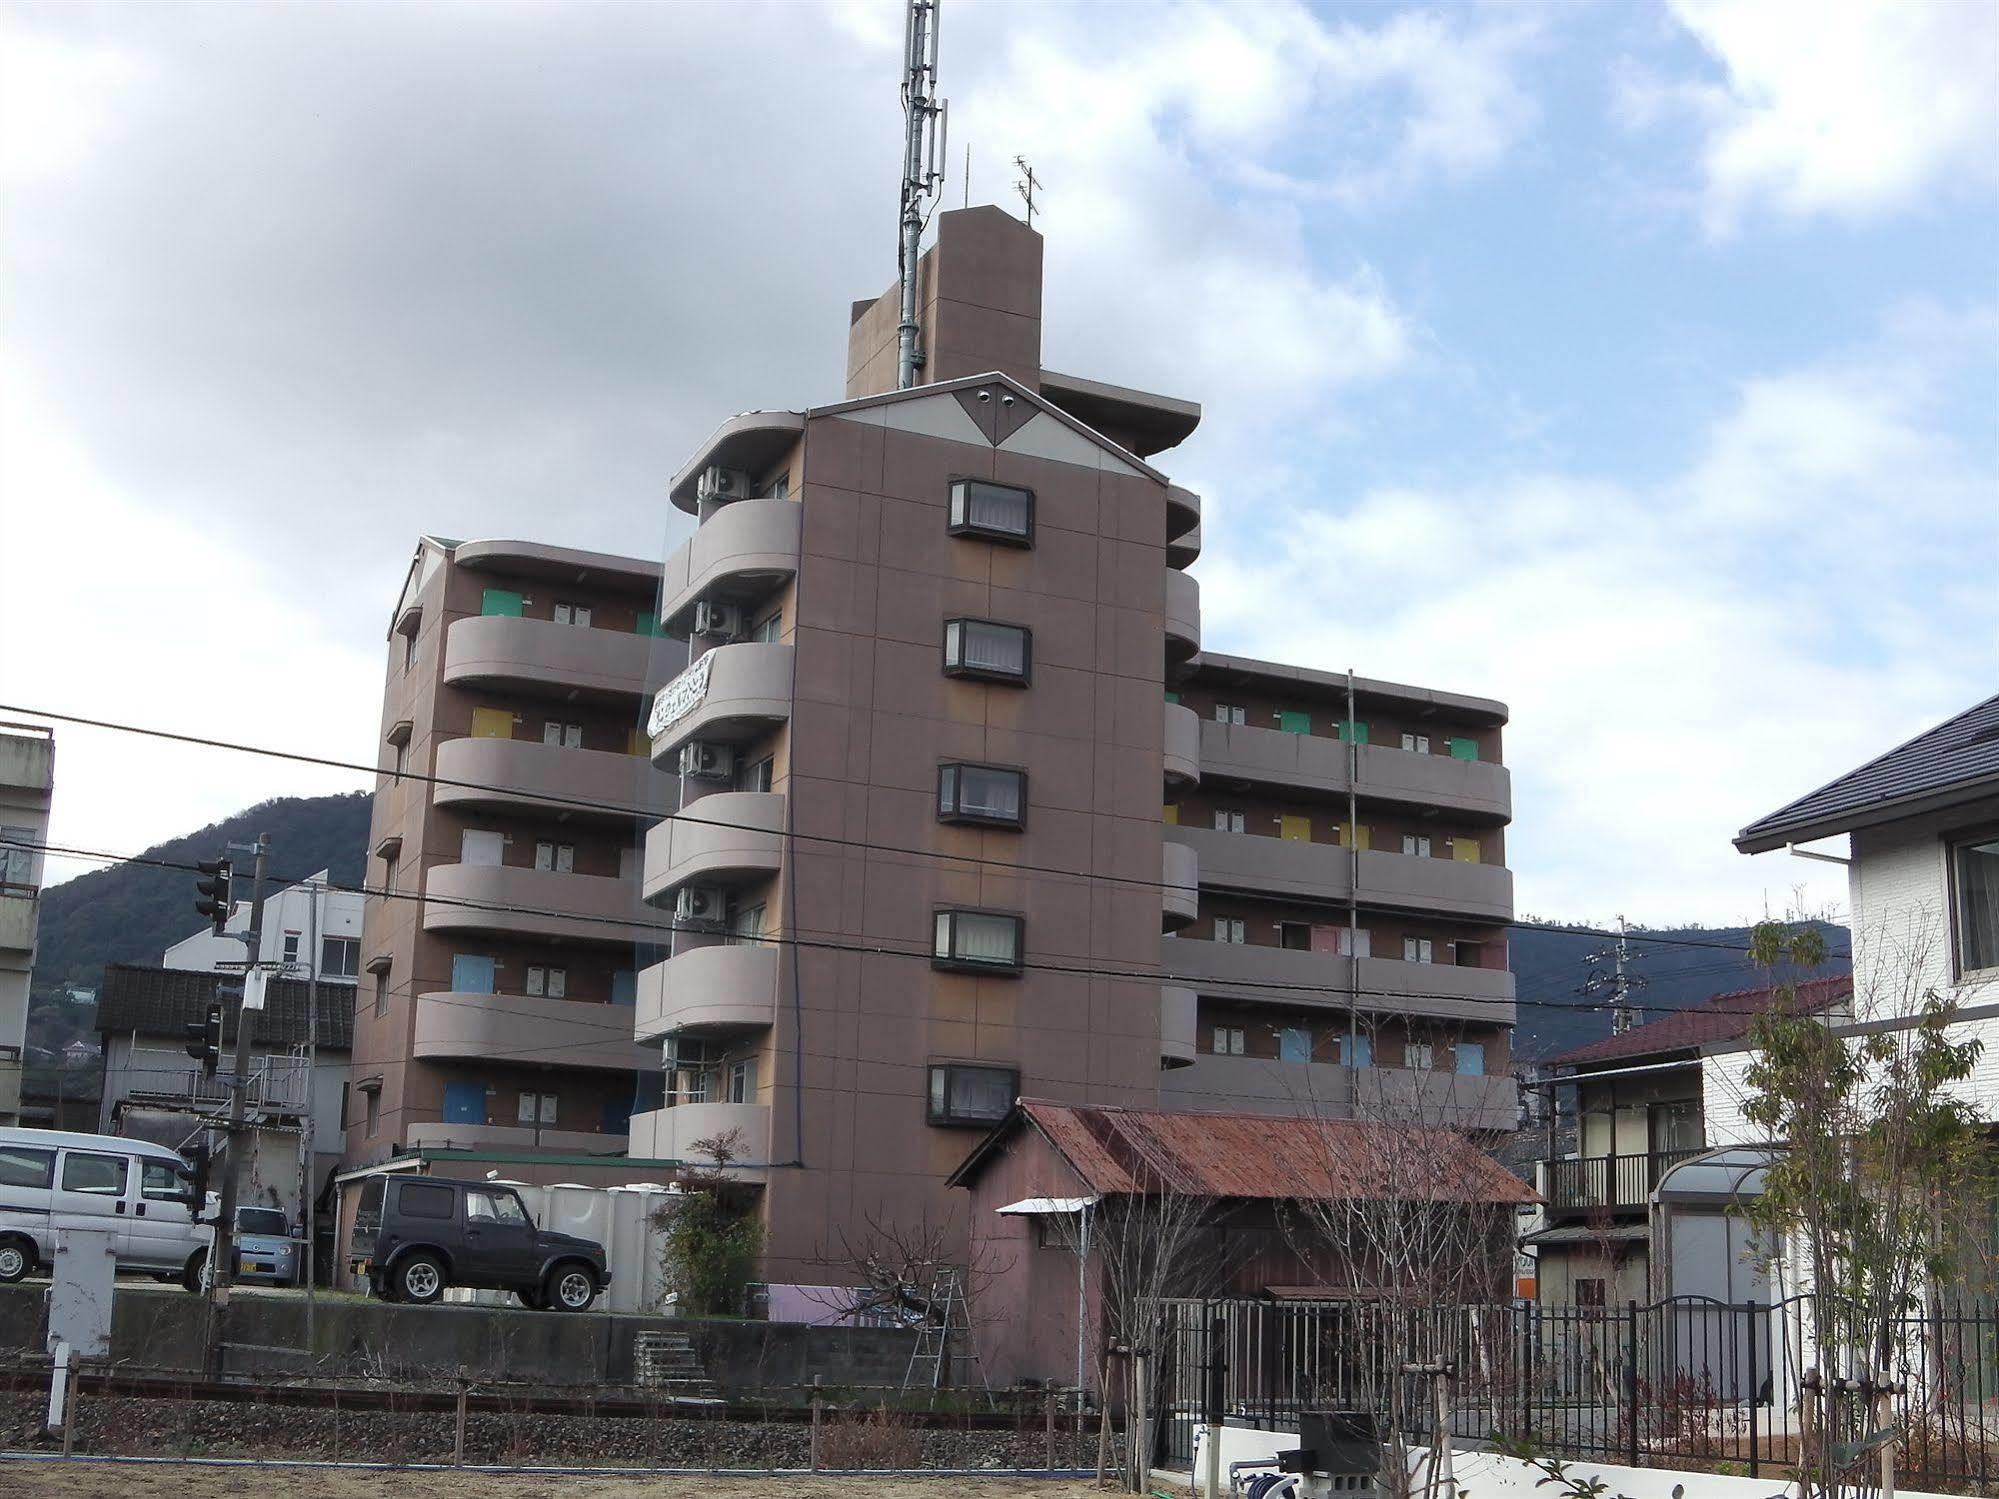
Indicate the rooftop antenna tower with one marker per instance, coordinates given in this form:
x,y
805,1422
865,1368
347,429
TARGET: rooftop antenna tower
x,y
926,134
1025,186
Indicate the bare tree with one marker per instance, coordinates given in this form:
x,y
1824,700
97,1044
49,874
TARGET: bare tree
x,y
898,1271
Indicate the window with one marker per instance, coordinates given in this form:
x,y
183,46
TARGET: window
x,y
1419,1056
23,1167
1357,1051
1471,1059
1589,1291
1975,873
977,939
961,1094
1230,713
1417,844
291,947
536,1108
1416,743
624,987
1418,950
423,1200
981,793
980,648
562,735
550,982
746,925
1462,749
373,1119
1294,723
1675,1127
1227,821
754,776
497,1205
409,650
1229,929
163,1181
266,1221
769,629
340,957
573,614
742,1081
17,858
780,487
1226,1041
99,1175
389,874
381,991
1000,512
560,857
401,762
1294,1044
1468,954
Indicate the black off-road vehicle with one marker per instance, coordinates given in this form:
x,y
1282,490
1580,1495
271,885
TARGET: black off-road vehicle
x,y
416,1235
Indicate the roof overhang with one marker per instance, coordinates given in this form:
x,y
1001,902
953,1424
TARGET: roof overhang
x,y
1153,422
1046,1206
535,559
1762,837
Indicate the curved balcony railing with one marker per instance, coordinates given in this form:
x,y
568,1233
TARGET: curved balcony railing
x,y
725,838
1180,885
524,775
503,898
1183,616
1182,745
730,693
528,1031
742,550
1237,970
708,991
540,656
672,1134
1179,1025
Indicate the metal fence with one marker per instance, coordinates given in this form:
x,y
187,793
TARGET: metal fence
x,y
1686,1382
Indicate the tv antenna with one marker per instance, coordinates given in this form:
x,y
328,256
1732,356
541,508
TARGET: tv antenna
x,y
925,138
1025,185
1620,981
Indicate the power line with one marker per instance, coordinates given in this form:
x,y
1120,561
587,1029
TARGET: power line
x,y
1238,988
694,819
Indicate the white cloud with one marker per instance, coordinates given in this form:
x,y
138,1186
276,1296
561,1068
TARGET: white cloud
x,y
1850,108
1680,658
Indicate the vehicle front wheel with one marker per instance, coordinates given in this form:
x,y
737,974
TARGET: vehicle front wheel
x,y
570,1288
190,1275
419,1279
17,1258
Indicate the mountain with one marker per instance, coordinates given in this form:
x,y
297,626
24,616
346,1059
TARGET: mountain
x,y
1680,966
131,913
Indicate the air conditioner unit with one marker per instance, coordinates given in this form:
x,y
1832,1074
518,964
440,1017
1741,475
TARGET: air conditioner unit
x,y
721,485
718,621
700,905
707,761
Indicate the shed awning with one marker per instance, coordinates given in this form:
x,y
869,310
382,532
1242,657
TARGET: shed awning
x,y
1042,1205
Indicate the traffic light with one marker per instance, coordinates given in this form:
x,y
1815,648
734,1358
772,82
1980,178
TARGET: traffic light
x,y
198,1156
204,1040
213,888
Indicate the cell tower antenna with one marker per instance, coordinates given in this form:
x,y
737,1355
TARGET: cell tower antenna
x,y
926,136
1025,185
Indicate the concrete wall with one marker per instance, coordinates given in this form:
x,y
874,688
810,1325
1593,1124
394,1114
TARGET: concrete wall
x,y
163,1329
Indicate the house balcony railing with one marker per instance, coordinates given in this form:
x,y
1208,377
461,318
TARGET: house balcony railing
x,y
1614,1184
277,1084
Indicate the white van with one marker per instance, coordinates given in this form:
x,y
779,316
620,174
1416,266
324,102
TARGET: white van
x,y
143,1192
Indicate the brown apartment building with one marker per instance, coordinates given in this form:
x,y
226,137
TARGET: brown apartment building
x,y
906,708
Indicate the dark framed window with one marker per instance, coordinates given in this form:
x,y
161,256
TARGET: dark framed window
x,y
981,793
961,1094
422,1200
22,1166
998,512
981,940
1974,878
991,652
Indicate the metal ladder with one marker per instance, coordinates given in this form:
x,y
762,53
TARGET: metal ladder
x,y
945,1318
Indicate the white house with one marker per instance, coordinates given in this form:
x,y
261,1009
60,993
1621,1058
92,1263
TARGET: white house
x,y
302,923
1922,827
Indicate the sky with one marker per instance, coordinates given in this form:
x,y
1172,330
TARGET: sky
x,y
1634,364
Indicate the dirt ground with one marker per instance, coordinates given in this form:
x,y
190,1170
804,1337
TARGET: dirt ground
x,y
161,1481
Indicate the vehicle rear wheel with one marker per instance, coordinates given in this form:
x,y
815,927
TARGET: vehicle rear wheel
x,y
418,1279
570,1288
17,1258
190,1275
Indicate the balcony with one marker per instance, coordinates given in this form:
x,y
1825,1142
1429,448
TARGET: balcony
x,y
1619,1185
1184,550
1236,970
1183,510
1261,1085
1183,616
1180,886
1183,745
542,657
1318,762
740,551
523,775
538,903
753,441
530,1031
670,1134
1179,1026
513,1137
17,921
27,759
159,1076
718,990
733,692
729,837
1416,882
1293,868
10,1083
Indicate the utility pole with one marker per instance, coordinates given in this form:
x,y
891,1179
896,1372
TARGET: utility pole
x,y
1025,186
1620,981
222,1255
